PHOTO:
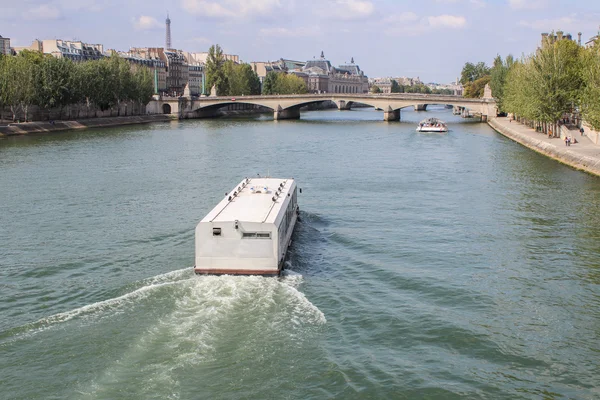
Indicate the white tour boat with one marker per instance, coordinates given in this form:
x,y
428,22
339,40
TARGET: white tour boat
x,y
432,125
249,231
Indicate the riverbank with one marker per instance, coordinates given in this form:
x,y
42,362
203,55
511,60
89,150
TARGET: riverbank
x,y
583,155
55,126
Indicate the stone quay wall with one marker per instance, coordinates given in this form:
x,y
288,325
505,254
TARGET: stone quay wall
x,y
585,158
72,112
55,126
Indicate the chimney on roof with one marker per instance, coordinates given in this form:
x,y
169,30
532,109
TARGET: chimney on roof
x,y
322,55
352,60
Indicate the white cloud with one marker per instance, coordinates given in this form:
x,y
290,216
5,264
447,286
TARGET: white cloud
x,y
447,21
527,4
296,32
346,9
42,11
145,22
473,3
200,40
234,8
564,23
402,17
85,5
478,3
423,25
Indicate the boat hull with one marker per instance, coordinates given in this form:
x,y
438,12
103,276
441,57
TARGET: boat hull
x,y
241,272
435,130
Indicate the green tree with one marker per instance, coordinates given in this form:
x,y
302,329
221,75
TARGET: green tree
x,y
471,72
475,89
590,96
19,88
290,84
215,75
557,74
498,75
252,78
519,91
104,94
87,82
395,88
420,88
55,83
269,83
143,86
375,89
242,79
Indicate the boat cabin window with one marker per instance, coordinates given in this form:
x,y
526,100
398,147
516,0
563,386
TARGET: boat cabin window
x,y
216,231
256,235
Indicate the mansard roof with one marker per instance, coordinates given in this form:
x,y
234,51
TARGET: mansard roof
x,y
352,69
325,65
314,71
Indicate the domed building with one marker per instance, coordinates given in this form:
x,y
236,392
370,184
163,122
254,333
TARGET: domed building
x,y
322,77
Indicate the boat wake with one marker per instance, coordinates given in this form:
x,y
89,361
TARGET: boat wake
x,y
215,321
190,297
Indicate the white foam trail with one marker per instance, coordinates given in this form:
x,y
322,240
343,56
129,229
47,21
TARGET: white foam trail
x,y
209,313
113,305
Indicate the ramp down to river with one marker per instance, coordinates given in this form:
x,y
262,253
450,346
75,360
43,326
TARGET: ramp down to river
x,y
583,155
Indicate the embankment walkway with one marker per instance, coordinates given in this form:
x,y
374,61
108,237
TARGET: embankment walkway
x,y
583,155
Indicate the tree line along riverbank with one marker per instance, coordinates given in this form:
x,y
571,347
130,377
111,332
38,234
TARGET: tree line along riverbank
x,y
558,83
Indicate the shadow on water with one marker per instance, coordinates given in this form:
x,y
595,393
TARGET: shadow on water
x,y
306,254
92,134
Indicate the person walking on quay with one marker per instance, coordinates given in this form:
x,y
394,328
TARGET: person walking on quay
x,y
566,141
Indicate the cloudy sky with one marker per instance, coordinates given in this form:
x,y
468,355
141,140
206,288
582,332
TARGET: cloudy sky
x,y
431,39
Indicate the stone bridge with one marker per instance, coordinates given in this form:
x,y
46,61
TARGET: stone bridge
x,y
288,106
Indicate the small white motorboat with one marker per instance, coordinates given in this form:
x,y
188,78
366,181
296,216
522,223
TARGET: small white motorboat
x,y
432,125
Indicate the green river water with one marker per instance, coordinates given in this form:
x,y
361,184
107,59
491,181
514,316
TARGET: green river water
x,y
426,266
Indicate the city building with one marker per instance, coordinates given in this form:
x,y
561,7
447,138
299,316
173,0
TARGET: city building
x,y
196,75
322,77
5,46
203,56
385,84
592,40
74,50
36,45
262,68
157,67
551,38
177,69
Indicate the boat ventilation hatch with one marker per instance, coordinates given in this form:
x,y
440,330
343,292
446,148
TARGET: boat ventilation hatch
x,y
216,231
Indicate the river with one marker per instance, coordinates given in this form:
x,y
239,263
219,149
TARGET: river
x,y
426,266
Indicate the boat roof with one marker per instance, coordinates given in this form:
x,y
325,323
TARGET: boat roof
x,y
252,201
432,120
